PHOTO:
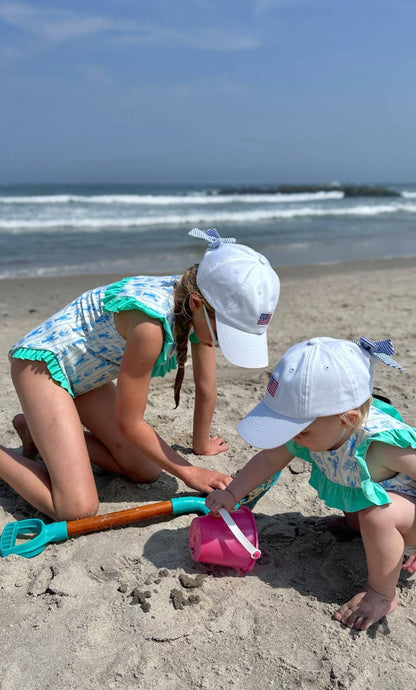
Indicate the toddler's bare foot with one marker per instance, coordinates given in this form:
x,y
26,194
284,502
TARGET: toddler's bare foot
x,y
366,608
29,449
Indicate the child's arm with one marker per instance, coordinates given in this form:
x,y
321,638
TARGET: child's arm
x,y
144,338
260,468
384,461
205,378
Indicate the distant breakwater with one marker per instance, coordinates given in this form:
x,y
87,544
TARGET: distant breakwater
x,y
355,190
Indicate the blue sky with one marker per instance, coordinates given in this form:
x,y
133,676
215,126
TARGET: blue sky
x,y
228,91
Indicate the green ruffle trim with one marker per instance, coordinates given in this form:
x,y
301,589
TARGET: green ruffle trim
x,y
370,493
113,302
164,367
348,498
388,409
50,360
401,438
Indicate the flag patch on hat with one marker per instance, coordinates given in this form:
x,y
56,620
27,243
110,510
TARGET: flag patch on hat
x,y
272,386
264,319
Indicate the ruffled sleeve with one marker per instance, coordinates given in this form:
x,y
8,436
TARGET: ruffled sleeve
x,y
388,409
384,425
402,437
347,498
116,300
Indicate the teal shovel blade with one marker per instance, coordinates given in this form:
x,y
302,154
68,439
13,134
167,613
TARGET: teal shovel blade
x,y
32,534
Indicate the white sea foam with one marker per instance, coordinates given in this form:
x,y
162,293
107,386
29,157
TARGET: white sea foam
x,y
192,218
170,200
133,228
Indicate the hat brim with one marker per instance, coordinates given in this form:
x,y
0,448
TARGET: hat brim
x,y
240,348
264,428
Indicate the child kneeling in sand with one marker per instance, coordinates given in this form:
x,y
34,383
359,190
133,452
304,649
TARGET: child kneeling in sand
x,y
133,330
318,407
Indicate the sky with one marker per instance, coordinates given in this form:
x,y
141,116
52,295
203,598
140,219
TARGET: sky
x,y
207,91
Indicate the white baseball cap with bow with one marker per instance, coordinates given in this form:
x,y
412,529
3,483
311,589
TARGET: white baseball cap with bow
x,y
315,378
243,289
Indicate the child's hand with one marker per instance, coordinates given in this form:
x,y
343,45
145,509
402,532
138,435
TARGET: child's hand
x,y
216,445
220,499
204,480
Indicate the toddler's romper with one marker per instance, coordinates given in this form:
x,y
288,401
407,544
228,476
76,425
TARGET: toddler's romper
x,y
81,345
341,476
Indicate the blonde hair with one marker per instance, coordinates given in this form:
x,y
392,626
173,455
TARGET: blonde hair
x,y
183,322
363,411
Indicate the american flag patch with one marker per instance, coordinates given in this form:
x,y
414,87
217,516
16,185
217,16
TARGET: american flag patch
x,y
272,386
264,319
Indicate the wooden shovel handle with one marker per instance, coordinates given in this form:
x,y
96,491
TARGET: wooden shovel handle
x,y
120,517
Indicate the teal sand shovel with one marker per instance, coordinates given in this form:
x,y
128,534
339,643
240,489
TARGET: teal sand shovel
x,y
29,537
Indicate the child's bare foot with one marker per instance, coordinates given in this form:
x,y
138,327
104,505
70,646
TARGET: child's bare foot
x,y
29,449
366,608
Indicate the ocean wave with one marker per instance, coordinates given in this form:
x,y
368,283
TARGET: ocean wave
x,y
241,217
169,200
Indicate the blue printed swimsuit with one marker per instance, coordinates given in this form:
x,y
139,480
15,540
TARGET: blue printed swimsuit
x,y
81,345
341,476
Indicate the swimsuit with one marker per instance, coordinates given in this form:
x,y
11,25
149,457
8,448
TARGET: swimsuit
x,y
81,345
341,476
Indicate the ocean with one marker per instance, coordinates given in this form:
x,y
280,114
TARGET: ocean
x,y
48,230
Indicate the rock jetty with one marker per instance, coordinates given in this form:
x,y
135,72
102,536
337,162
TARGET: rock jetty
x,y
355,190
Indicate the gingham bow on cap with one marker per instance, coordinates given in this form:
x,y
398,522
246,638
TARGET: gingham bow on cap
x,y
212,237
382,349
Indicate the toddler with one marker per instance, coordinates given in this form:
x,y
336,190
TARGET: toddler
x,y
318,406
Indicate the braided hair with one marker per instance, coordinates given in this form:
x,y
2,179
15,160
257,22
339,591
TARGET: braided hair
x,y
183,322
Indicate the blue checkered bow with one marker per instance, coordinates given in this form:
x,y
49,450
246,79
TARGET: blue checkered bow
x,y
382,349
213,238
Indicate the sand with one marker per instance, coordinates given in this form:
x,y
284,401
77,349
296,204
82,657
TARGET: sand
x,y
112,609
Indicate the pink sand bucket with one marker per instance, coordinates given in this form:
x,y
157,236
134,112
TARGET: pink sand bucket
x,y
231,541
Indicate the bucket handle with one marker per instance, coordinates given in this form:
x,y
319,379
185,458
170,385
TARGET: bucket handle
x,y
239,535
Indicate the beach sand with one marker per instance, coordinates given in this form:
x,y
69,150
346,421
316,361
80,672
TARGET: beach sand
x,y
104,610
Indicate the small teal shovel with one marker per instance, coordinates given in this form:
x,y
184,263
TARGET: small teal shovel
x,y
34,534
39,534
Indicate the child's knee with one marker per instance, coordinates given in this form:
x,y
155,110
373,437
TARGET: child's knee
x,y
144,476
375,517
78,509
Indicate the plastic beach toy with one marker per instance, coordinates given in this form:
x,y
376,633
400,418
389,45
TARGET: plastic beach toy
x,y
230,540
29,537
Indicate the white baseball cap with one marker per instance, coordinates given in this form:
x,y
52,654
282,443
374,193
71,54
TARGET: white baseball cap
x,y
316,378
242,287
